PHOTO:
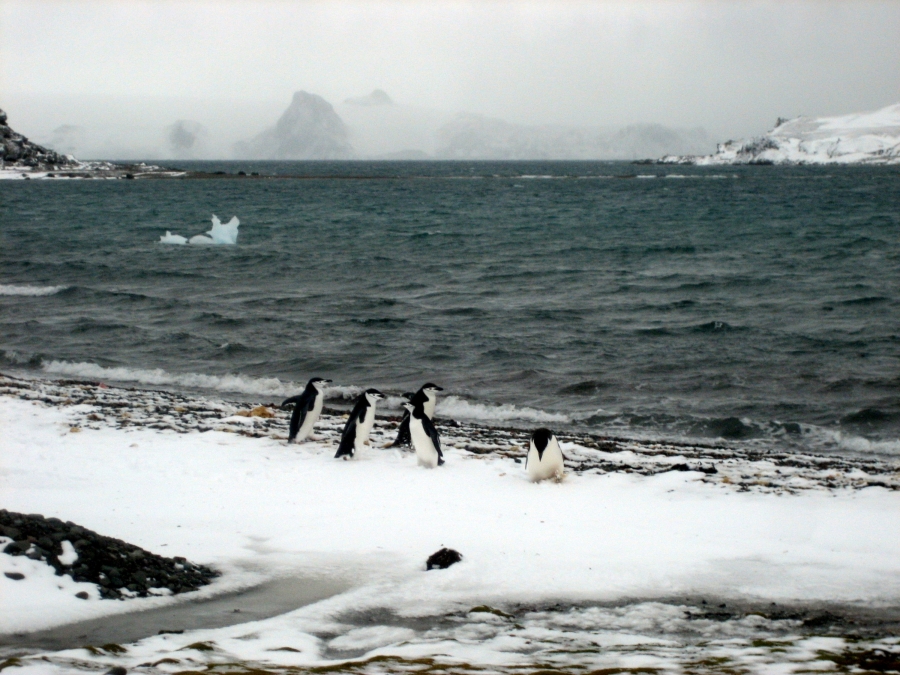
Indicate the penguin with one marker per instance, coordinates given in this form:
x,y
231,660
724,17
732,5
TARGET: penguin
x,y
307,408
545,459
424,437
356,431
427,397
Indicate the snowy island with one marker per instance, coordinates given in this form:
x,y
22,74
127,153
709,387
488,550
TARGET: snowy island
x,y
860,138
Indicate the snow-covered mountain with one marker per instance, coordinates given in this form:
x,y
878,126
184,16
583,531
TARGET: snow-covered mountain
x,y
469,136
859,138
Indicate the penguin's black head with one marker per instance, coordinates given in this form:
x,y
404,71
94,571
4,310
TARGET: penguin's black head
x,y
409,406
408,395
373,394
318,382
541,437
430,386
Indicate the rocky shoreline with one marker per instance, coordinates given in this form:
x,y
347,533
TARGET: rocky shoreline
x,y
730,466
119,569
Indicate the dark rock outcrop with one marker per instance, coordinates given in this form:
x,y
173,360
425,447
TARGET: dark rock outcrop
x,y
17,151
442,559
110,563
308,129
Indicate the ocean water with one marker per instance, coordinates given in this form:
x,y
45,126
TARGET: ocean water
x,y
731,304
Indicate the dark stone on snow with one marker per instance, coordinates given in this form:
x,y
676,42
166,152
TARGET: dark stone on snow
x,y
442,559
116,670
110,563
82,595
15,576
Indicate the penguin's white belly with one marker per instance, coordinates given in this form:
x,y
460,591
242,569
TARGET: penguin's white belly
x,y
311,418
425,450
428,406
550,465
363,429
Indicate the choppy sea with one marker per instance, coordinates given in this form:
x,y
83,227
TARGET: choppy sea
x,y
736,304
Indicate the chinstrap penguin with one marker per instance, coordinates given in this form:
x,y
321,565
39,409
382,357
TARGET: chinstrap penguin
x,y
307,408
425,439
427,398
544,459
356,431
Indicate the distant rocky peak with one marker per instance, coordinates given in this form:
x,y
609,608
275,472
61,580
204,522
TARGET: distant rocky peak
x,y
377,97
310,112
308,129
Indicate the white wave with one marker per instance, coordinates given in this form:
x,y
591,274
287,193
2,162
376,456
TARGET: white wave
x,y
456,407
829,438
257,386
345,393
12,289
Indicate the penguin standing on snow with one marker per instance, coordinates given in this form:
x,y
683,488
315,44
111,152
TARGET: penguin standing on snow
x,y
356,431
307,408
424,437
427,398
545,459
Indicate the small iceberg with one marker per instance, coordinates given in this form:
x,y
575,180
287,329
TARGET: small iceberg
x,y
219,234
224,234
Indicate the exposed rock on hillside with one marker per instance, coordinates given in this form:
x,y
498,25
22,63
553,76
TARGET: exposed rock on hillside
x,y
860,138
17,151
308,129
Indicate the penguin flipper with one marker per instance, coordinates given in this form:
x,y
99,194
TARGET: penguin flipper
x,y
298,399
403,435
297,418
348,440
432,432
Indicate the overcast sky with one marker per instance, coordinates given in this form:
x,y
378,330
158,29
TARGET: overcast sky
x,y
732,67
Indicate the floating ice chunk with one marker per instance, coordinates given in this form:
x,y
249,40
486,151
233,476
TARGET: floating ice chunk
x,y
219,234
224,234
170,238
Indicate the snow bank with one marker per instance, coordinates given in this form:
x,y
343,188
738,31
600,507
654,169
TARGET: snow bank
x,y
860,138
226,234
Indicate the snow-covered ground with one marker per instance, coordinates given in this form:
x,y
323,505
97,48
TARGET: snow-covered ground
x,y
97,169
627,555
861,138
